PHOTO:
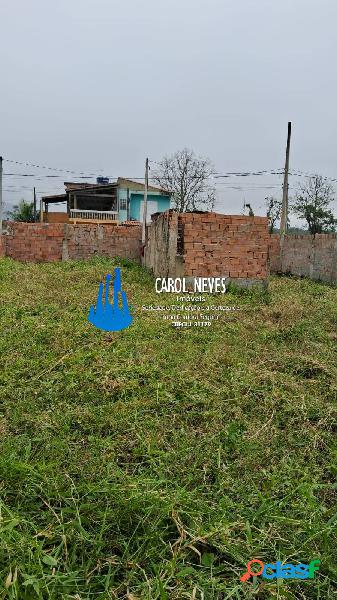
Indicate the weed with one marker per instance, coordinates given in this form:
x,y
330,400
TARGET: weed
x,y
154,463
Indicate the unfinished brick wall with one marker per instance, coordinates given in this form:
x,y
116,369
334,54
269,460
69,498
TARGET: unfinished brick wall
x,y
305,256
232,246
209,245
83,241
40,242
34,242
189,244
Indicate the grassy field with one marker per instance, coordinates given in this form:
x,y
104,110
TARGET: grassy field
x,y
153,463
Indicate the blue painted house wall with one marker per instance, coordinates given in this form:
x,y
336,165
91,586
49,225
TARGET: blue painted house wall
x,y
160,204
130,203
122,196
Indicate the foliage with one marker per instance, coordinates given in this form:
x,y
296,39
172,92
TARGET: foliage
x,y
312,204
250,210
153,463
186,175
274,208
24,211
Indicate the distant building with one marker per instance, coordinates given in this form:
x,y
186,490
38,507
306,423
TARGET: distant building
x,y
115,202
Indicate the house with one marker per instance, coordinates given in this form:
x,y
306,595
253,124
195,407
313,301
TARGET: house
x,y
115,202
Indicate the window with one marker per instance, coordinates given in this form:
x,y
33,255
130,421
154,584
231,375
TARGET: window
x,y
122,204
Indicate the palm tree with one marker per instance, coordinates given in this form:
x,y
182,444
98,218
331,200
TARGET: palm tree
x,y
24,211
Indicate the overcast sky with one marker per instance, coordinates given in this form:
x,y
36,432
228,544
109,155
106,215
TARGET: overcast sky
x,y
97,86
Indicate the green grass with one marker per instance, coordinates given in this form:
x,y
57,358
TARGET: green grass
x,y
153,463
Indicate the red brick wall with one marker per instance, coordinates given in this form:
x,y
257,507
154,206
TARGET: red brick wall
x,y
40,242
34,242
83,241
231,246
208,245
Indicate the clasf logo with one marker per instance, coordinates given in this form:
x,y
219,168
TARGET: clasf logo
x,y
280,571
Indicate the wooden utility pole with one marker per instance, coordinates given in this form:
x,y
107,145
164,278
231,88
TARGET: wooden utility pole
x,y
145,200
1,207
284,213
34,205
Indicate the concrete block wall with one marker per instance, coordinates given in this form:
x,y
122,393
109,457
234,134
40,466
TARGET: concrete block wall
x,y
305,255
274,252
2,247
160,252
40,242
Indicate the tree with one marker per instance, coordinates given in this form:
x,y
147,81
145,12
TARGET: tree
x,y
312,204
250,210
186,176
24,211
274,208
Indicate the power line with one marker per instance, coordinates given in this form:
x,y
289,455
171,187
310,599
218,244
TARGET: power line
x,y
38,175
310,175
241,173
29,164
213,175
93,175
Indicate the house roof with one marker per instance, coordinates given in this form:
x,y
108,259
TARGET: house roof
x,y
55,198
131,183
75,186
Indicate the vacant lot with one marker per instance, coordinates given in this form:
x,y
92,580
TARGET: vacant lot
x,y
153,463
